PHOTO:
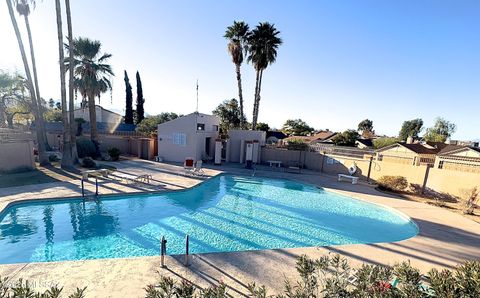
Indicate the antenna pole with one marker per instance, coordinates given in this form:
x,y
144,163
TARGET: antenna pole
x,y
197,97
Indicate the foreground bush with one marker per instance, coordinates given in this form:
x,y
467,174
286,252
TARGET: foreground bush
x,y
89,163
392,183
86,148
332,276
23,289
328,276
114,153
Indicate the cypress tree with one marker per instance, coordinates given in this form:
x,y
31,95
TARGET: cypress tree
x,y
140,100
129,101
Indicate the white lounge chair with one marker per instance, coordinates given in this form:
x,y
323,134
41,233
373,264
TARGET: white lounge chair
x,y
351,170
198,169
189,165
140,178
294,167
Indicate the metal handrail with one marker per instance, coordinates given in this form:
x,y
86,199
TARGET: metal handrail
x,y
163,250
187,243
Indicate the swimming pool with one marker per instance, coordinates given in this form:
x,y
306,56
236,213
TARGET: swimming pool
x,y
225,213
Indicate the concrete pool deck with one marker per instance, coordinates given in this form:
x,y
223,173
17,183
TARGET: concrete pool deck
x,y
445,239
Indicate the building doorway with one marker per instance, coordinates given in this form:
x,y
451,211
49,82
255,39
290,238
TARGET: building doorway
x,y
207,146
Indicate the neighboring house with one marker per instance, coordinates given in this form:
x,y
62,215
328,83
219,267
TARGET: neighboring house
x,y
459,158
103,115
274,136
407,153
192,135
324,137
364,143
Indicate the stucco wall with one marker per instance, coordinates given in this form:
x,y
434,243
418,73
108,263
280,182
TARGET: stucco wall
x,y
16,155
452,182
194,145
102,115
236,137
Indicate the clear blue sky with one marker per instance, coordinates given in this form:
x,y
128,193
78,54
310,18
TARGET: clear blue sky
x,y
341,61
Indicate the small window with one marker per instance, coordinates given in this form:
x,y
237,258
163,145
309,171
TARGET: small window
x,y
200,126
215,127
440,164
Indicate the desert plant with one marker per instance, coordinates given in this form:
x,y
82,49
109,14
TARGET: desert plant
x,y
114,153
85,148
167,287
471,197
53,158
88,163
392,183
22,289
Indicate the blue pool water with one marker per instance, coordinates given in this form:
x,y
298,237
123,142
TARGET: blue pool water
x,y
226,213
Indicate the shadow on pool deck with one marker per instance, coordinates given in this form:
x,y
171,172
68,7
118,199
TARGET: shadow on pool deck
x,y
445,239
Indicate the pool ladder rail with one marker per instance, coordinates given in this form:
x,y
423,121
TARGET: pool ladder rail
x,y
91,198
163,251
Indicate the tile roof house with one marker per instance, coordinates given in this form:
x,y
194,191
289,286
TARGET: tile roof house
x,y
274,136
460,158
320,137
364,143
408,153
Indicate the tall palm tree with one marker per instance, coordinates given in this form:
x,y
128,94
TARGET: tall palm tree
x,y
263,44
67,160
238,34
71,108
92,76
34,95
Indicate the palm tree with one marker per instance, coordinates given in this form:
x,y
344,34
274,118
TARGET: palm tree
x,y
237,34
262,51
92,76
67,160
35,95
71,108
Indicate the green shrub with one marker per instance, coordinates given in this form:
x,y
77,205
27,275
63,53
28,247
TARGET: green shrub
x,y
89,163
53,158
85,148
297,145
23,288
114,153
392,183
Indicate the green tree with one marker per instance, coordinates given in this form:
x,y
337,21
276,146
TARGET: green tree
x,y
13,101
384,142
346,138
238,34
441,131
53,115
365,127
149,125
263,126
67,158
92,77
263,44
297,127
140,100
411,128
128,100
229,113
23,9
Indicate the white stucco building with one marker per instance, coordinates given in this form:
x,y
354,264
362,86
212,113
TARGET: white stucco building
x,y
192,135
103,115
